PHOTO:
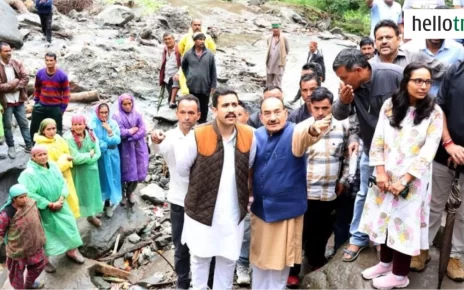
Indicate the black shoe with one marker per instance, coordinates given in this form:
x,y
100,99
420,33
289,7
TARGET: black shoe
x,y
172,105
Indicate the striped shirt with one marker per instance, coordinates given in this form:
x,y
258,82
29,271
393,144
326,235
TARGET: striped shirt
x,y
52,90
328,162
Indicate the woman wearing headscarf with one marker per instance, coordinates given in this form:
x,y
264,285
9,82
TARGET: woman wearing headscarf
x,y
85,153
46,185
58,152
404,144
109,165
133,147
23,234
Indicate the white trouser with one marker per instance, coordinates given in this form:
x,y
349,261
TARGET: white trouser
x,y
442,178
269,279
223,273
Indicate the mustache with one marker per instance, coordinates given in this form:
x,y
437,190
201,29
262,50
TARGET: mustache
x,y
273,122
231,115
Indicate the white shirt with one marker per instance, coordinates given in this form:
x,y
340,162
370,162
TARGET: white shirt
x,y
171,67
458,3
10,76
224,237
177,186
381,11
422,4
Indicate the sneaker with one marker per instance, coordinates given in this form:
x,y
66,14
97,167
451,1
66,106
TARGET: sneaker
x,y
454,270
419,263
243,275
36,285
2,156
28,149
109,211
389,282
293,282
376,271
2,140
75,256
12,152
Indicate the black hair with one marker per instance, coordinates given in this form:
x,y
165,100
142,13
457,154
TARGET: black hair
x,y
321,94
309,77
387,23
189,97
222,91
272,97
2,44
366,41
270,88
167,33
315,67
242,104
400,99
350,58
51,54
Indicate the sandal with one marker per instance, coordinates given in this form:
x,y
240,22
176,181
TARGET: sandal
x,y
94,221
354,255
75,256
36,285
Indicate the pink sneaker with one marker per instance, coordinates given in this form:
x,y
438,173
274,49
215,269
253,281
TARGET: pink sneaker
x,y
376,271
389,282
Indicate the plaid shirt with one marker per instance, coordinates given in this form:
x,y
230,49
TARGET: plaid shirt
x,y
328,162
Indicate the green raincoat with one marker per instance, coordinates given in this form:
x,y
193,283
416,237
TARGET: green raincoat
x,y
47,185
85,174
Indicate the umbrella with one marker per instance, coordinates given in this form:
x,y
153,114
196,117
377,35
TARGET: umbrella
x,y
160,98
451,206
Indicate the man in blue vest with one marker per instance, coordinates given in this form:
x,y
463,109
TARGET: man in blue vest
x,y
279,192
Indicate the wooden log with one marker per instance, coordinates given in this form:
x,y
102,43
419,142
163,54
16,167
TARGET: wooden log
x,y
131,249
18,5
109,270
85,97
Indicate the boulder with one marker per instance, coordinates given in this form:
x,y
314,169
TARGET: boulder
x,y
289,14
261,23
164,113
10,169
324,24
346,43
154,194
342,275
9,26
177,19
336,30
116,15
98,241
29,19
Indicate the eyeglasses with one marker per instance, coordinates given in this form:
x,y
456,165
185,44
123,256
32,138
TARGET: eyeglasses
x,y
420,82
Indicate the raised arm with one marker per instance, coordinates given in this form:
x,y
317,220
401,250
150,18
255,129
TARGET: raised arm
x,y
302,138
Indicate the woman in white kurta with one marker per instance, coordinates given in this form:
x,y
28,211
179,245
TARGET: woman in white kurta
x,y
404,145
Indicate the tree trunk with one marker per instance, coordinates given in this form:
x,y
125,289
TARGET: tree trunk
x,y
85,97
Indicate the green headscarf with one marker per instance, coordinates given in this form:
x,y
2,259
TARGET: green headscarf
x,y
15,191
44,125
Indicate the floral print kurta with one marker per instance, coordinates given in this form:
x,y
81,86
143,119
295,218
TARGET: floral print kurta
x,y
408,150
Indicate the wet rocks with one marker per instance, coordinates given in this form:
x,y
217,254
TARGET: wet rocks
x,y
10,169
9,26
116,15
154,193
134,238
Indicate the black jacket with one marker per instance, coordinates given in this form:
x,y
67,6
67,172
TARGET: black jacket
x,y
319,59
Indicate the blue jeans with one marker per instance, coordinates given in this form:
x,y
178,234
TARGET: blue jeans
x,y
20,115
243,260
358,238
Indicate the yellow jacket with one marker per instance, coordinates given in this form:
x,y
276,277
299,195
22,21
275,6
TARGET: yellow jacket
x,y
58,151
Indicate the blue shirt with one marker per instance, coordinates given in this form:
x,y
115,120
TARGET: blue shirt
x,y
449,53
381,11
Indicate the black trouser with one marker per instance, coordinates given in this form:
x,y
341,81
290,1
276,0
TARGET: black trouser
x,y
46,22
181,254
343,216
401,262
204,102
129,187
40,112
318,226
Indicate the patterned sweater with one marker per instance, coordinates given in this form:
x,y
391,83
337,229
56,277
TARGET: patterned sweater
x,y
52,90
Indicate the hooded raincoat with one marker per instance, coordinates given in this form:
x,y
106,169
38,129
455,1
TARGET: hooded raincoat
x,y
133,149
46,185
109,164
85,173
58,151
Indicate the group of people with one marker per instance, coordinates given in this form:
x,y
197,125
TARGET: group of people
x,y
254,191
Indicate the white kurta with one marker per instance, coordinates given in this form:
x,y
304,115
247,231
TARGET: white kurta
x,y
224,237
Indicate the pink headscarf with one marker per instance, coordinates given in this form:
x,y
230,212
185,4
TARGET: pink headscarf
x,y
81,119
37,149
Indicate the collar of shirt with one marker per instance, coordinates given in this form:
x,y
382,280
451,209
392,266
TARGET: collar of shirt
x,y
5,64
373,69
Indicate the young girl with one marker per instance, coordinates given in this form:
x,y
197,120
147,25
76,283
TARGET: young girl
x,y
133,148
404,144
109,165
85,152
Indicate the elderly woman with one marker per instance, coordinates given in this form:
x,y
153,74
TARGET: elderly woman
x,y
109,164
133,147
58,152
404,145
85,153
46,185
